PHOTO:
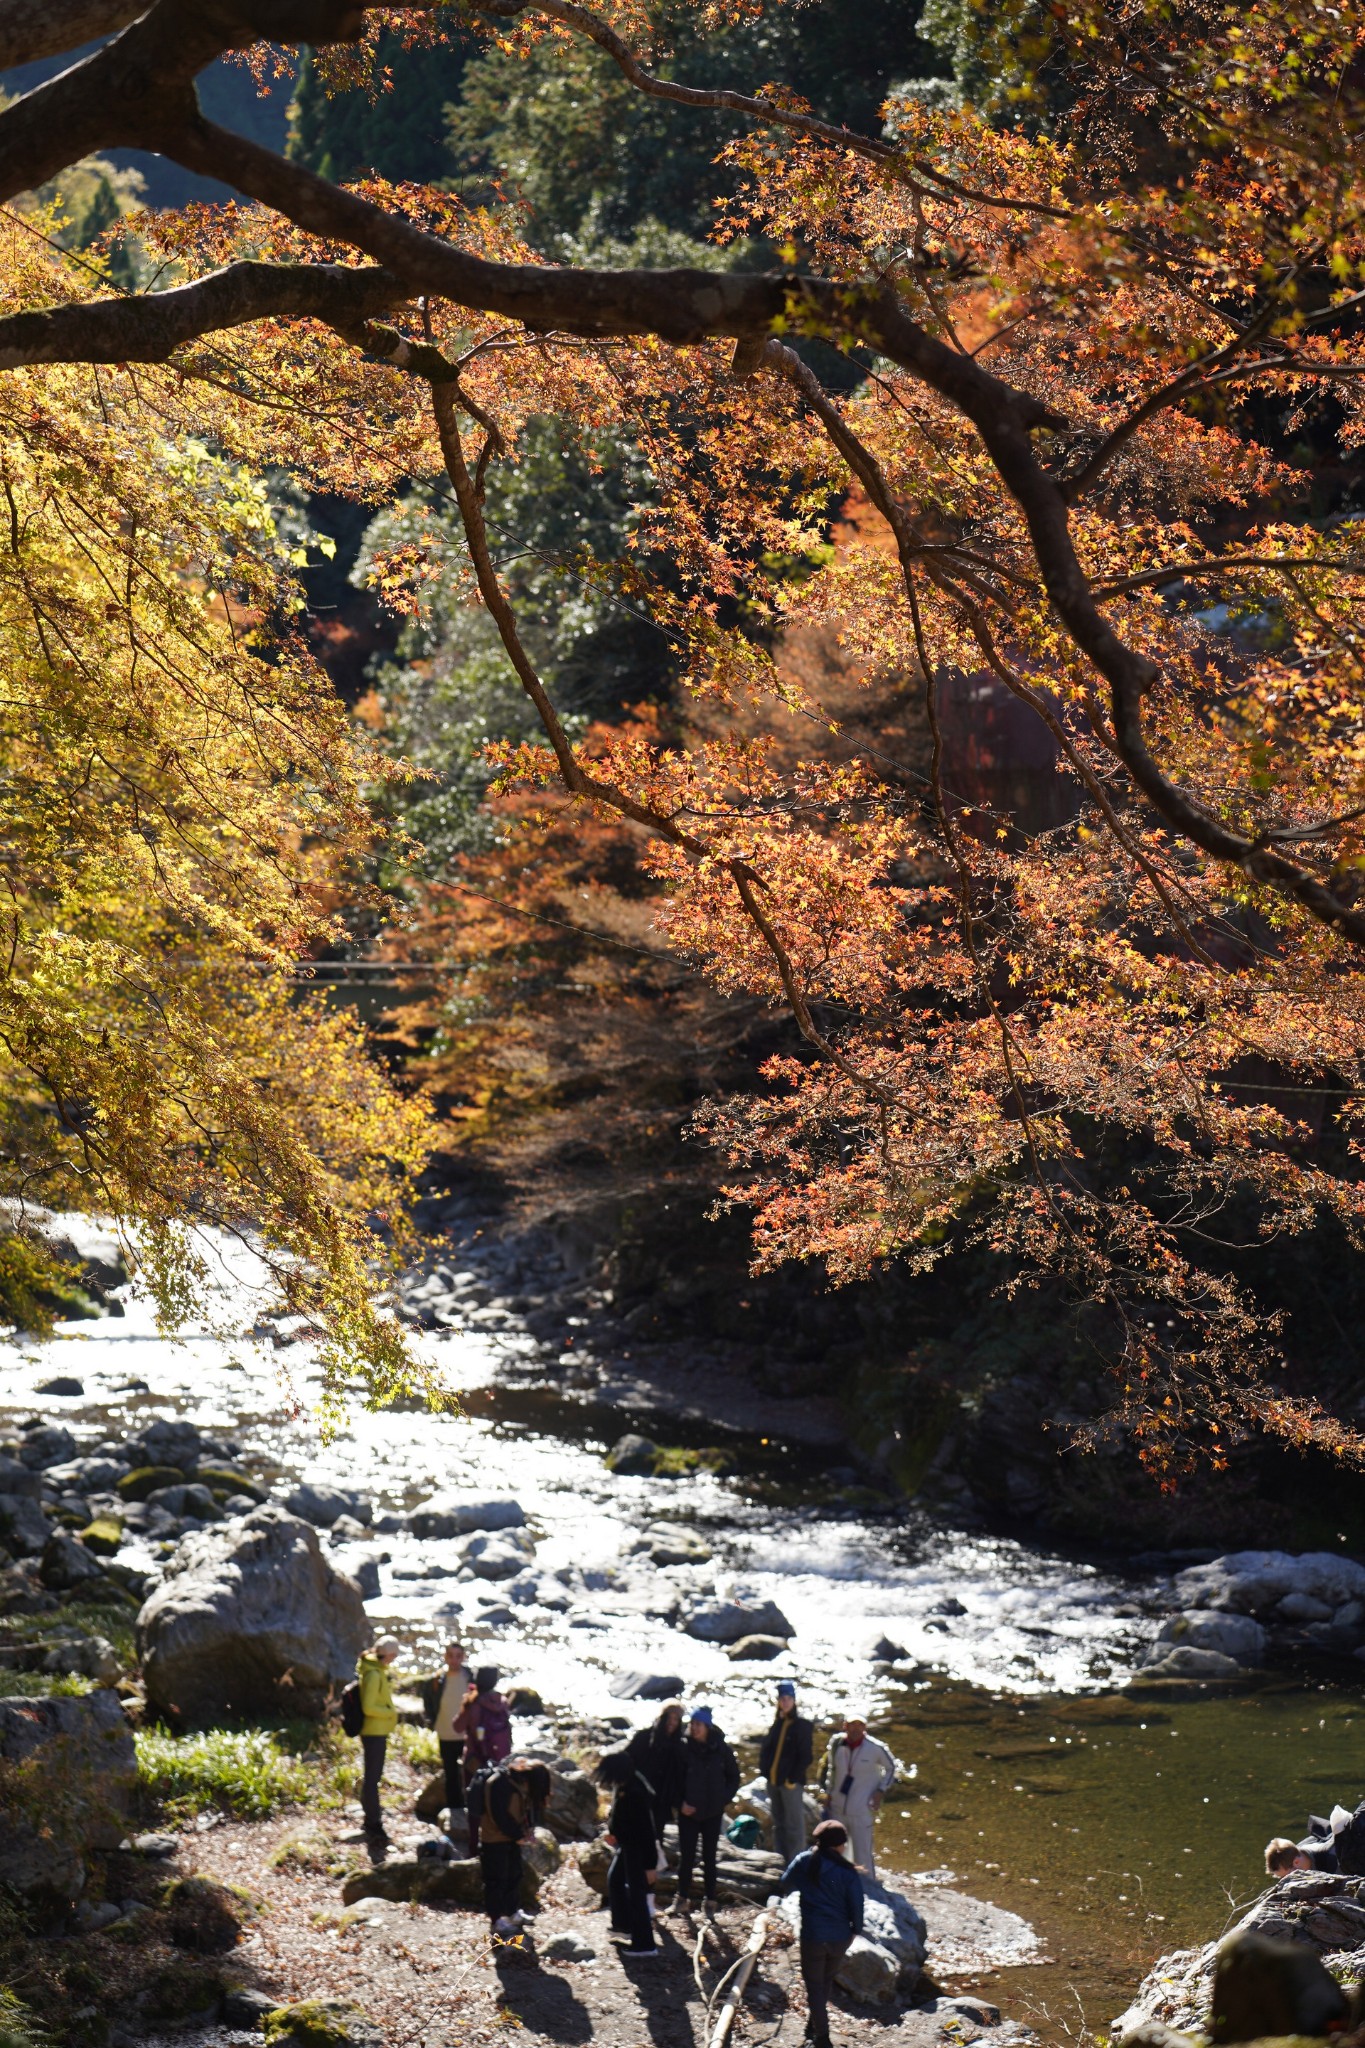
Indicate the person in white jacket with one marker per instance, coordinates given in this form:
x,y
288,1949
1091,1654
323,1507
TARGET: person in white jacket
x,y
857,1774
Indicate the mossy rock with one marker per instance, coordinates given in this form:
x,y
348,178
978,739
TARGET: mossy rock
x,y
183,1992
146,1479
103,1535
321,2023
203,1916
224,1480
675,1461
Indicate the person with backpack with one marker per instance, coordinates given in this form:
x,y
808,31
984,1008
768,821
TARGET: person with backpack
x,y
630,1831
379,1719
504,1802
711,1778
443,1697
784,1761
487,1734
857,1774
831,1896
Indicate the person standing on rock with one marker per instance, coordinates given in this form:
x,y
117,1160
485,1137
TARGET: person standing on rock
x,y
375,1671
444,1704
831,1898
784,1761
857,1774
711,1778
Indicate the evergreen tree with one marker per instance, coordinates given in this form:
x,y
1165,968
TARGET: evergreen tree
x,y
398,133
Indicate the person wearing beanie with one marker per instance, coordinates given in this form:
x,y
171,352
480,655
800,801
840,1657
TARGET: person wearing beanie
x,y
381,1718
711,1778
831,1896
857,1774
784,1761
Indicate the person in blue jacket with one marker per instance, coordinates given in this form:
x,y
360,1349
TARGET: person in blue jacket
x,y
831,1894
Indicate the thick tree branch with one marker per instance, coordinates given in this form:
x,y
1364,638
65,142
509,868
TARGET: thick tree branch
x,y
149,329
45,28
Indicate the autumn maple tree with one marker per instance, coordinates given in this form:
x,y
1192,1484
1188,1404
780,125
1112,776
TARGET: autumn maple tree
x,y
1081,338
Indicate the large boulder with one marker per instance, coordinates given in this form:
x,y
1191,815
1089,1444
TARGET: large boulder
x,y
1231,1635
1182,1660
251,1617
450,1514
1326,1913
67,1779
499,1557
24,1528
1257,1581
729,1621
645,1685
885,1961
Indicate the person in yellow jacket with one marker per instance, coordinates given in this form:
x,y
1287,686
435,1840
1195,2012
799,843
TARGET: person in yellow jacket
x,y
381,1718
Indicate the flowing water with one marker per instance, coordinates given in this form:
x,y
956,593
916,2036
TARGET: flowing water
x,y
1120,1825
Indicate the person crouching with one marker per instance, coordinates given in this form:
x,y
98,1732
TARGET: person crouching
x,y
509,1800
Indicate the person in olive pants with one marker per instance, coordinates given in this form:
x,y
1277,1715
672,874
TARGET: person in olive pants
x,y
711,1778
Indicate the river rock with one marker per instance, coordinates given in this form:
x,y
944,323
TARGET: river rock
x,y
24,1528
1184,1661
144,1480
1314,1907
757,1649
498,1557
322,2023
632,1457
729,1621
48,1443
17,1481
1264,1985
1256,1581
250,1618
884,1649
645,1685
70,1777
1232,1635
571,1813
449,1514
67,1564
869,1973
85,1475
64,1387
666,1545
324,1505
189,1498
87,1657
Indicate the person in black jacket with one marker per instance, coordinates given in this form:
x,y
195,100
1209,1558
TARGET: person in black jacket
x,y
710,1781
507,1800
630,1830
665,1756
784,1761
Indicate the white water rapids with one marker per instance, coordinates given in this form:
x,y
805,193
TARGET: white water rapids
x,y
1032,1621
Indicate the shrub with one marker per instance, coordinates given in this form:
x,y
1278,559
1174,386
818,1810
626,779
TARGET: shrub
x,y
244,1770
18,2027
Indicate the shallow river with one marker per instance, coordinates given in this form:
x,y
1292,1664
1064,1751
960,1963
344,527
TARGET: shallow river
x,y
1119,1826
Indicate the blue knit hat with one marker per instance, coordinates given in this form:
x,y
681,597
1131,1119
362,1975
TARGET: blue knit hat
x,y
702,1714
786,1688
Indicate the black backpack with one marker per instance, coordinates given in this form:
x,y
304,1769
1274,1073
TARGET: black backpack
x,y
476,1793
352,1712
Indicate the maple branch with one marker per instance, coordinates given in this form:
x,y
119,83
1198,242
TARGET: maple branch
x,y
1175,571
46,28
149,329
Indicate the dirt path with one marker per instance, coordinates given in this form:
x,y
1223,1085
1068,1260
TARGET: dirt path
x,y
428,1978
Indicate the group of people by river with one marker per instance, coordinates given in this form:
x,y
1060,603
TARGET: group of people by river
x,y
680,1770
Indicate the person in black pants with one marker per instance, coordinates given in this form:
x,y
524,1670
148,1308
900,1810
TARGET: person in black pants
x,y
630,1830
443,1699
710,1781
513,1796
664,1747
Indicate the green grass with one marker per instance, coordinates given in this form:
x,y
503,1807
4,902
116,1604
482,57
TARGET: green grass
x,y
43,1685
244,1771
18,2027
248,1771
417,1746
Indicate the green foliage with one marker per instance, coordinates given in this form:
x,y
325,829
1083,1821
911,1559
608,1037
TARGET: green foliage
x,y
563,517
18,2026
244,1771
397,133
417,1746
1006,59
562,130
